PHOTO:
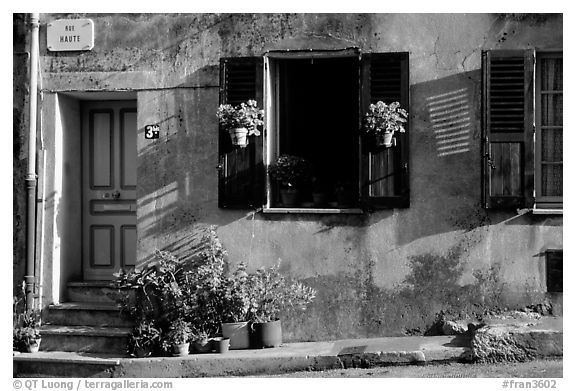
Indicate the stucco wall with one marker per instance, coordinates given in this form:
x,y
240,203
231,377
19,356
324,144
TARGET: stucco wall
x,y
20,149
383,273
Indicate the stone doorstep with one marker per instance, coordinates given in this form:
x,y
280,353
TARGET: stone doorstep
x,y
86,314
87,331
84,339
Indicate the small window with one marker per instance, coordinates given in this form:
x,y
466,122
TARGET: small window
x,y
554,271
549,130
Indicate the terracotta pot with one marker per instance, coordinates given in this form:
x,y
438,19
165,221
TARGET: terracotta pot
x,y
180,349
34,346
238,333
385,139
201,346
289,196
143,352
239,137
221,344
266,335
320,198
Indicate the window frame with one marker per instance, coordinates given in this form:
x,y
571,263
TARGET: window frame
x,y
270,137
543,203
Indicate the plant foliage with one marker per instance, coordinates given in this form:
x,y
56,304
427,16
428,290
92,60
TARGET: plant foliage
x,y
246,115
383,118
290,170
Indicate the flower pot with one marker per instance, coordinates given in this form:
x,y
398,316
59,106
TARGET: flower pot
x,y
266,335
34,346
320,198
142,352
239,137
201,346
180,349
289,196
221,344
238,333
385,139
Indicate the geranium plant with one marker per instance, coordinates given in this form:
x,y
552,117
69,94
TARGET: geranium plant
x,y
382,118
290,171
246,115
236,294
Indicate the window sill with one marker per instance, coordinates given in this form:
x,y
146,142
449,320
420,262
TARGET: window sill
x,y
542,211
313,210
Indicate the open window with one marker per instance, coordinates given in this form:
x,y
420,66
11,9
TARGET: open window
x,y
314,102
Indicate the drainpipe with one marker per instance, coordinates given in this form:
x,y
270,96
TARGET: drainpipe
x,y
29,277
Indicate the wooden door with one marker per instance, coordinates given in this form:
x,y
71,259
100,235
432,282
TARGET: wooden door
x,y
108,188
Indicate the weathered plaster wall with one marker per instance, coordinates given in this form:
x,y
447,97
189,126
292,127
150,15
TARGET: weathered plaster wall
x,y
388,272
20,148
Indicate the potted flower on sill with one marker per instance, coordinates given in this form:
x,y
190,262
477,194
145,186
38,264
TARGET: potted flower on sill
x,y
144,339
290,172
235,305
178,336
241,121
271,295
383,120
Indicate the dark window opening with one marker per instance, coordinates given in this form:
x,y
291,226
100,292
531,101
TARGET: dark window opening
x,y
318,120
554,271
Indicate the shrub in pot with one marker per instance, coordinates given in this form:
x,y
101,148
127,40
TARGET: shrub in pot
x,y
241,121
382,120
290,173
271,294
234,308
178,337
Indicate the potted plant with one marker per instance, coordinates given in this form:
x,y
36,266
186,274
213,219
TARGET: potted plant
x,y
383,120
178,336
234,308
200,341
290,172
272,294
241,121
144,339
28,338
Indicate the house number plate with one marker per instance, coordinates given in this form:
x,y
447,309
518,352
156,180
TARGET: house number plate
x,y
151,131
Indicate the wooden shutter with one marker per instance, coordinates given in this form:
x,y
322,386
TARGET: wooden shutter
x,y
508,169
241,170
385,182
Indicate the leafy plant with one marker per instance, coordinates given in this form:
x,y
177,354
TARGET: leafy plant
x,y
25,322
236,296
290,170
383,118
145,335
272,293
179,332
246,115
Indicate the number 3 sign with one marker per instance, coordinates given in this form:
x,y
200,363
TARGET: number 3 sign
x,y
151,131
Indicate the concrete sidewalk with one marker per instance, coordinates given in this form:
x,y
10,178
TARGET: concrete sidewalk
x,y
529,339
286,358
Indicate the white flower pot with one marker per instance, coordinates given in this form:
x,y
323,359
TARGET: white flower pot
x,y
239,137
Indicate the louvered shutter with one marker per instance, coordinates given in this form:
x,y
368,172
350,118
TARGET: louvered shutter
x,y
241,170
508,129
385,182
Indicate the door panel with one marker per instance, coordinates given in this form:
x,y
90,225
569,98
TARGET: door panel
x,y
108,188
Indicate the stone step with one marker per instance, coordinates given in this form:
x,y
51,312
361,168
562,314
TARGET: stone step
x,y
84,339
87,314
65,364
96,292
